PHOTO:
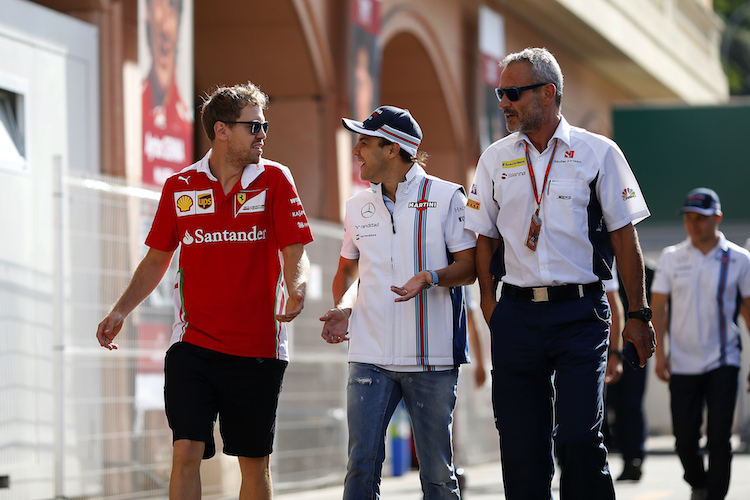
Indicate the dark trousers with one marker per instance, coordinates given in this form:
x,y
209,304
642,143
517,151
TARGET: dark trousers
x,y
548,377
625,400
717,392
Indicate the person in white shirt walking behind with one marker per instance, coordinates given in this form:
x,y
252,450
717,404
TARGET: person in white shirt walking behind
x,y
698,288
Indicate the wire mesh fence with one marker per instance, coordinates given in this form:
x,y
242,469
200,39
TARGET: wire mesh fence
x,y
79,421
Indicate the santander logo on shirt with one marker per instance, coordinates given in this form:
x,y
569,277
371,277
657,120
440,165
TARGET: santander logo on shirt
x,y
202,236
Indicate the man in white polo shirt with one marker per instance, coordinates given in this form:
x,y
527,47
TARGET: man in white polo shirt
x,y
553,205
697,291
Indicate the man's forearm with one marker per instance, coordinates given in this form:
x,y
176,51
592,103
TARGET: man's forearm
x,y
630,265
487,282
296,267
146,277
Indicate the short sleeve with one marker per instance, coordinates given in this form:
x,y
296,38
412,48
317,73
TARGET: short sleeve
x,y
744,281
481,209
662,283
457,237
289,217
348,249
618,191
163,235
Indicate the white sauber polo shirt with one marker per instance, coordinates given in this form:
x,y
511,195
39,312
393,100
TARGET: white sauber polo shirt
x,y
704,295
590,191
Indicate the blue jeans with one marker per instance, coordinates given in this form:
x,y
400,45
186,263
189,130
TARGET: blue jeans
x,y
372,396
548,363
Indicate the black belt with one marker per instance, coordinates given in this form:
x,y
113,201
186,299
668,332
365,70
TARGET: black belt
x,y
551,293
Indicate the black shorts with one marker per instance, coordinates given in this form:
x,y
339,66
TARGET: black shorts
x,y
244,392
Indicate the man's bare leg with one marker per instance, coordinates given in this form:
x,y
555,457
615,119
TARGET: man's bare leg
x,y
185,481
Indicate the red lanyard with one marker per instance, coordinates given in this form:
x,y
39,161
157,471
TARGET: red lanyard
x,y
537,196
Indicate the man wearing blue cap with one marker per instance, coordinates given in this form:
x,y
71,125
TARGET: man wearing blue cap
x,y
697,290
404,239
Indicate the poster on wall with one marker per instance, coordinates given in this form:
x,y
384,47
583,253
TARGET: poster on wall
x,y
364,64
491,51
165,49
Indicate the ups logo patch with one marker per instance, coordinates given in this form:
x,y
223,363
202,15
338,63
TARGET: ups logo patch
x,y
205,200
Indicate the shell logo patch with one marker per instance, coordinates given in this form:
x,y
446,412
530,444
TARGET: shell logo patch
x,y
194,202
184,203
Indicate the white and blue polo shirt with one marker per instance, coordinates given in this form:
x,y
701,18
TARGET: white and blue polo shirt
x,y
427,332
590,192
705,294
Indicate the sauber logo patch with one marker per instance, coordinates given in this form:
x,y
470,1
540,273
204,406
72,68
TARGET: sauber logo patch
x,y
570,154
194,202
514,163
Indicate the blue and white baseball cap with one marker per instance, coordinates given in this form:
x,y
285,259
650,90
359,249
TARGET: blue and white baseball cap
x,y
702,201
391,123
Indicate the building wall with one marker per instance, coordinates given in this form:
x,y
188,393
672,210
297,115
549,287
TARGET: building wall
x,y
52,61
79,79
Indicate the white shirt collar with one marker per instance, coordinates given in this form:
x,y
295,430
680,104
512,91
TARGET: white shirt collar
x,y
562,134
249,174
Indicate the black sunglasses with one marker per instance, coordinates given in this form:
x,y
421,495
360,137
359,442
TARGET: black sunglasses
x,y
255,126
514,93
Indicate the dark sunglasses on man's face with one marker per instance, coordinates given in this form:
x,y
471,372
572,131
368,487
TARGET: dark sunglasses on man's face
x,y
514,93
255,126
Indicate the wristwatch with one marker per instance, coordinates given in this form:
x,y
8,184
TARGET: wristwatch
x,y
434,280
643,314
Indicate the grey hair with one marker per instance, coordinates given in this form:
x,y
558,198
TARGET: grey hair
x,y
544,68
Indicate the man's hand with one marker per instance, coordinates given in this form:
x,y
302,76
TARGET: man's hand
x,y
411,288
643,337
108,330
614,369
294,306
663,368
335,326
488,306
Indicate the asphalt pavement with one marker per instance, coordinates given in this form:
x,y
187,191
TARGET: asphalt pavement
x,y
661,480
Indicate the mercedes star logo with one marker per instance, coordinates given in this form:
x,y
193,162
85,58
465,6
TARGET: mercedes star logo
x,y
368,211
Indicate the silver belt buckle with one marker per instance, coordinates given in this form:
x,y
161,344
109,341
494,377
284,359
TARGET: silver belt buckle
x,y
581,293
540,295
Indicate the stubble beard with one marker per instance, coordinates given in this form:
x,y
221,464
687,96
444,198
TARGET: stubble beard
x,y
528,121
242,157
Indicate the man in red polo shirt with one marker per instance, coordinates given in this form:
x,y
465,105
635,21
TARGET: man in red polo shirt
x,y
242,230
